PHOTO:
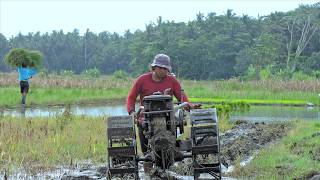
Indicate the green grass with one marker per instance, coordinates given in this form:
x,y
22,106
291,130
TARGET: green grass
x,y
10,97
252,96
51,96
255,92
294,157
53,89
251,101
42,143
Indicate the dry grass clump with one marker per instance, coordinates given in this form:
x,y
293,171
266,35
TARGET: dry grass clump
x,y
78,81
37,144
270,85
58,81
291,85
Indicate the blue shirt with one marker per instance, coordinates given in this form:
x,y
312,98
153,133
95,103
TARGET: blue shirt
x,y
26,73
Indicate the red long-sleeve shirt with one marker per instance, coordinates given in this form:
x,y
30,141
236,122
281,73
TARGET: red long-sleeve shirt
x,y
145,86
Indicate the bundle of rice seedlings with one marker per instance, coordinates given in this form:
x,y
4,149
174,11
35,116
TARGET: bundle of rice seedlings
x,y
18,56
36,58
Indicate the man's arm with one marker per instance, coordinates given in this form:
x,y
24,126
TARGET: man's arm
x,y
178,92
132,96
32,71
184,97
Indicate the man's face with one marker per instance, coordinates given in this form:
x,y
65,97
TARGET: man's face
x,y
161,72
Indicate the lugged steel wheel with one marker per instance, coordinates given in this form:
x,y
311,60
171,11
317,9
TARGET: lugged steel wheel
x,y
122,149
205,143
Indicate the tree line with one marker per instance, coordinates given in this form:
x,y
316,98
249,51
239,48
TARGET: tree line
x,y
209,47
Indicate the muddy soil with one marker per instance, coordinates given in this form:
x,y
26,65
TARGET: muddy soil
x,y
245,138
242,141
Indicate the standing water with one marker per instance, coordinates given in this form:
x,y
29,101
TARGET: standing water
x,y
277,113
256,113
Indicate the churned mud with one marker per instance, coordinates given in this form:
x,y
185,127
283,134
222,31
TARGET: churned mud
x,y
245,138
240,142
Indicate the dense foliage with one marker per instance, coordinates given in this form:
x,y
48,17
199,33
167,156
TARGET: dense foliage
x,y
284,45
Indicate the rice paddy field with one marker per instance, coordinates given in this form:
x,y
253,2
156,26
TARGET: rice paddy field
x,y
77,89
37,145
40,144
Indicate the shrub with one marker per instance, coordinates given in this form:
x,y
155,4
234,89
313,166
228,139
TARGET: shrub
x,y
316,74
93,73
250,73
284,74
301,76
265,73
120,74
43,73
66,72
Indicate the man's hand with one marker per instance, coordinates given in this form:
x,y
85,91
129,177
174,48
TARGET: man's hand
x,y
197,106
192,106
134,116
167,91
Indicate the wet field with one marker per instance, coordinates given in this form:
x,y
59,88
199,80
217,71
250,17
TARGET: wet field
x,y
265,125
255,114
241,141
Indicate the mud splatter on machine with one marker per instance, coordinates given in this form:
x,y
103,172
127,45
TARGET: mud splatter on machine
x,y
163,123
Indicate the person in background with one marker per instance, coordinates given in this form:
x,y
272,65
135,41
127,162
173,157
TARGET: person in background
x,y
158,80
25,73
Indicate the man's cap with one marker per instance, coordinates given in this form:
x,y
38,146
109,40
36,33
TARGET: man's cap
x,y
162,60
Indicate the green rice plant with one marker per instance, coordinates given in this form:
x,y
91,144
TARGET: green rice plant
x,y
223,113
16,57
36,58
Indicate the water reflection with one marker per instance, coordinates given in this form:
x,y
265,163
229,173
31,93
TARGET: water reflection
x,y
23,111
96,110
277,113
256,113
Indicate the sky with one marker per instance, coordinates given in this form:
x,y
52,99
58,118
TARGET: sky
x,y
24,16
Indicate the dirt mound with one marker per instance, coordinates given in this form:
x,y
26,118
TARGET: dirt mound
x,y
240,142
244,138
